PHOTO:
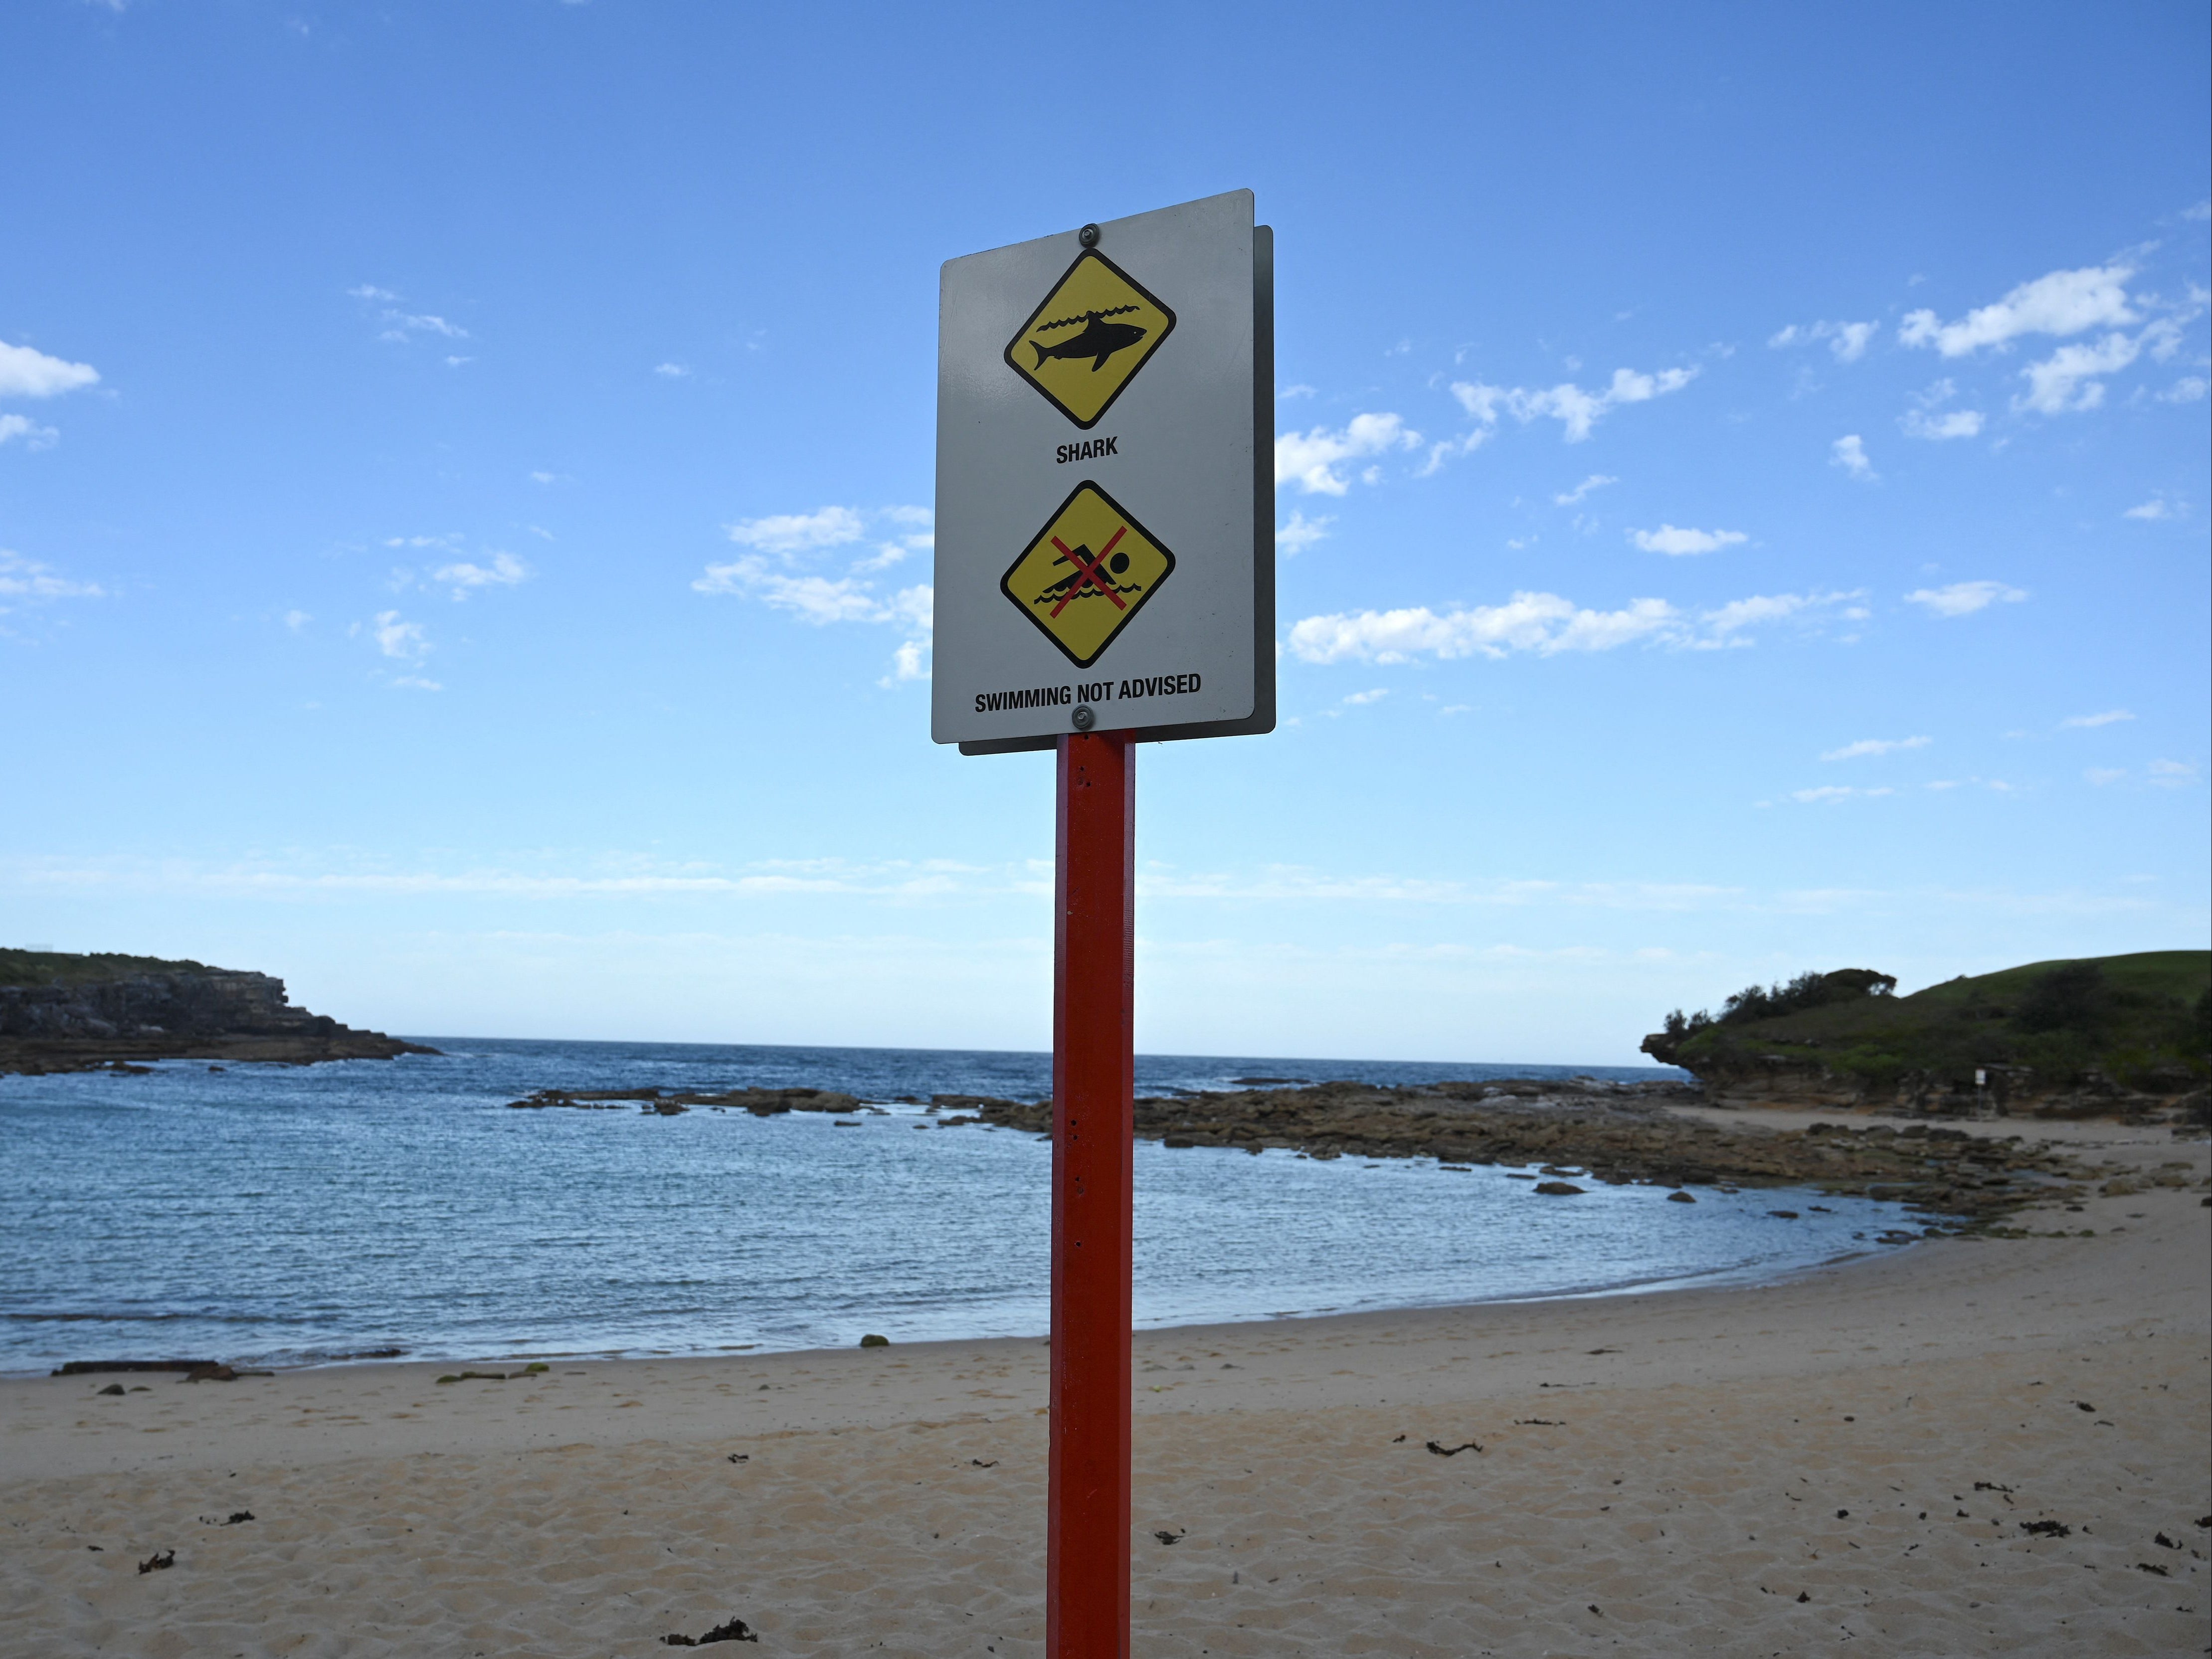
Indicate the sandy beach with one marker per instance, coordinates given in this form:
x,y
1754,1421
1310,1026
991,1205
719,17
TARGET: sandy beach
x,y
1849,1460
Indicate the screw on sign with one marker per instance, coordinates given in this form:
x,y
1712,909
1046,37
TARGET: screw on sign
x,y
1187,463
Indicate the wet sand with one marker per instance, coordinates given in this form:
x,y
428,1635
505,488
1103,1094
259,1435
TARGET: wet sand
x,y
1843,1461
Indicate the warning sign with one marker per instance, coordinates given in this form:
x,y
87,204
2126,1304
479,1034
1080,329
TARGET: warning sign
x,y
1087,340
1087,574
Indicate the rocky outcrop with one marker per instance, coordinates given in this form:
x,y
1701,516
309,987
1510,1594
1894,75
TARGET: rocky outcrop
x,y
176,1012
760,1103
1612,1133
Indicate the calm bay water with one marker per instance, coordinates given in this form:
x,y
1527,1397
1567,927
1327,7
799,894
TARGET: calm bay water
x,y
286,1215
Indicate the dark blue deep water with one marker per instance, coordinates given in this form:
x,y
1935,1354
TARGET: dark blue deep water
x,y
289,1215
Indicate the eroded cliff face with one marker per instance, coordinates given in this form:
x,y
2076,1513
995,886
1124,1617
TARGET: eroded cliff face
x,y
193,1013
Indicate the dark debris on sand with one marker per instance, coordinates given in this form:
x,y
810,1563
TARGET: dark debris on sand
x,y
735,1630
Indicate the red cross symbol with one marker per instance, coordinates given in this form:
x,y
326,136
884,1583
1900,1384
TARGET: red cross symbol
x,y
1087,575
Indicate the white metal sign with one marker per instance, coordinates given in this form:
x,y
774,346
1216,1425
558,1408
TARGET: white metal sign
x,y
1105,492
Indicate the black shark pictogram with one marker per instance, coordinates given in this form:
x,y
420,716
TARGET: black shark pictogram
x,y
1098,341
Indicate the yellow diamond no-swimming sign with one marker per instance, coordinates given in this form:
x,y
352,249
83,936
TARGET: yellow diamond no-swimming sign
x,y
1087,574
1089,337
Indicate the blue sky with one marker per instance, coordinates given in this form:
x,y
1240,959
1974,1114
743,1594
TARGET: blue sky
x,y
465,496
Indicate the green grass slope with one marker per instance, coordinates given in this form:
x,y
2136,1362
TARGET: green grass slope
x,y
35,968
2144,1020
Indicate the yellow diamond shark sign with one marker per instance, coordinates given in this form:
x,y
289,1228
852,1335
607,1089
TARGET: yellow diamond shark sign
x,y
1087,574
1089,337
1105,555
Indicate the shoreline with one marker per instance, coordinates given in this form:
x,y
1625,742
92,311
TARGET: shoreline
x,y
1765,1137
1873,1437
1719,1278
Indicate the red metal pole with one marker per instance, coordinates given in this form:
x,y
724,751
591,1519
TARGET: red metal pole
x,y
1093,1087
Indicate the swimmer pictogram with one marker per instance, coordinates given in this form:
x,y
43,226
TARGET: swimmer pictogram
x,y
1120,325
1083,577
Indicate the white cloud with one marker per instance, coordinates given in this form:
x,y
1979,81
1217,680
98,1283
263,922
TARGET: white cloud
x,y
544,477
889,553
816,600
1359,699
1310,458
23,579
1596,481
1836,792
504,571
2066,381
1723,625
1290,392
911,660
2171,773
1301,532
2186,389
2062,303
1958,424
1541,623
1876,746
1964,598
296,620
1576,409
416,683
402,327
1544,624
1850,454
26,373
34,435
2079,722
821,600
787,533
671,371
1848,340
1669,539
395,637
2155,508
2101,775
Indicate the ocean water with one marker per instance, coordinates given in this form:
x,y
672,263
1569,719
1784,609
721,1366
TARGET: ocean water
x,y
281,1215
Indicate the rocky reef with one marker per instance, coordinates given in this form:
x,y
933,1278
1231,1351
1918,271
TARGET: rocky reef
x,y
65,1013
1553,1132
674,1102
1605,1132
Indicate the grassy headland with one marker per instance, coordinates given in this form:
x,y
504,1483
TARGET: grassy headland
x,y
2141,1023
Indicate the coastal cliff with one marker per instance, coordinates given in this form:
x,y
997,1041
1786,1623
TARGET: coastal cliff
x,y
60,1011
2107,1037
